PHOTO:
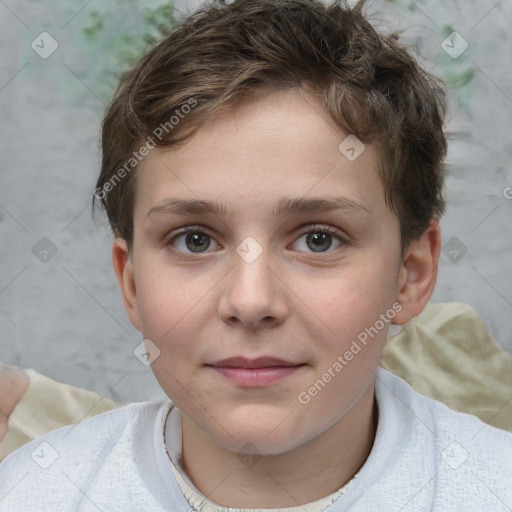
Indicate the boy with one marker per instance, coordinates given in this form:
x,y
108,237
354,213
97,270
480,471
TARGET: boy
x,y
272,172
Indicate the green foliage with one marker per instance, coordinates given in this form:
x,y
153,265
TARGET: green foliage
x,y
94,27
457,80
456,73
160,22
116,34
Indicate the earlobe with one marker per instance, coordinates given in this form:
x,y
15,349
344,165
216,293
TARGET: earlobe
x,y
418,274
123,267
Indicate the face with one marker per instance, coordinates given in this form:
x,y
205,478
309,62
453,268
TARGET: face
x,y
261,253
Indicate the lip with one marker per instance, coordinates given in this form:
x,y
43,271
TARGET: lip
x,y
259,362
259,372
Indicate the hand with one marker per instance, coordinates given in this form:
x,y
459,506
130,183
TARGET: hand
x,y
13,385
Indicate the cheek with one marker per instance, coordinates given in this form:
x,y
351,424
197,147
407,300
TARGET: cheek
x,y
166,299
349,346
349,303
172,315
175,309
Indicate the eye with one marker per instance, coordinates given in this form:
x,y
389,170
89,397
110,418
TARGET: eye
x,y
319,238
191,240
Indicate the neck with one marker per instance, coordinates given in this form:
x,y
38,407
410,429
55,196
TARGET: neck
x,y
320,467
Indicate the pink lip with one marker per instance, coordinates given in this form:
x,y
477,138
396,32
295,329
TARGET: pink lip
x,y
259,372
259,362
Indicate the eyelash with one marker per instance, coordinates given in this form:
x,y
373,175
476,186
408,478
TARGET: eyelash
x,y
313,228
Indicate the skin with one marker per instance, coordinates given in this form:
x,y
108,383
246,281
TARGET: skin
x,y
292,302
13,385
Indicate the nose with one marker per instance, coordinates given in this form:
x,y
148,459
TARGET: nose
x,y
252,294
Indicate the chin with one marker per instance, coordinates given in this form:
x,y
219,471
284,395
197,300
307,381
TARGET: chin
x,y
259,429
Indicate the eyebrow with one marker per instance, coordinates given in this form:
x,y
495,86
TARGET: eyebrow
x,y
285,206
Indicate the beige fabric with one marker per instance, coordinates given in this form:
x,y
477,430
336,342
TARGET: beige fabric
x,y
445,353
48,405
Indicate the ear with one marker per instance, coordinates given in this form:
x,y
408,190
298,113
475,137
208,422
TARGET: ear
x,y
418,273
123,267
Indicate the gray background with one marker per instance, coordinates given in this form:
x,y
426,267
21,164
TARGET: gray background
x,y
64,316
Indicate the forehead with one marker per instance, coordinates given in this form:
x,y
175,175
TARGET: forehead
x,y
260,150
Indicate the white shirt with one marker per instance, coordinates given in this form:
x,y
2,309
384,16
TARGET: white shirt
x,y
425,457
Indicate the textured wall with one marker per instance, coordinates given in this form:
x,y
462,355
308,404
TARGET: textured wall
x,y
60,310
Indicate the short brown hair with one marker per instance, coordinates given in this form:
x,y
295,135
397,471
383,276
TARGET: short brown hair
x,y
368,82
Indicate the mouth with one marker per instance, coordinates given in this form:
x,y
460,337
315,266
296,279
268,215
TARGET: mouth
x,y
259,372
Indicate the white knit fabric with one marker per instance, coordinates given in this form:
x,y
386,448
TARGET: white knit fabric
x,y
199,502
425,458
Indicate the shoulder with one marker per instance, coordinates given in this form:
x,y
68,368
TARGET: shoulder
x,y
71,458
99,430
397,396
447,455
